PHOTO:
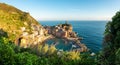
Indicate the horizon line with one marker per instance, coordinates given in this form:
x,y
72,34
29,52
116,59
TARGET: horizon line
x,y
72,20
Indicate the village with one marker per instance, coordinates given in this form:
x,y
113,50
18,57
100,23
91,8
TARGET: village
x,y
65,32
42,33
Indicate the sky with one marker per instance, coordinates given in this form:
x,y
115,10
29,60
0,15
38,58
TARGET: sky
x,y
67,9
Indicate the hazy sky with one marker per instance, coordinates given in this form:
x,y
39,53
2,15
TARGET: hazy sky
x,y
68,9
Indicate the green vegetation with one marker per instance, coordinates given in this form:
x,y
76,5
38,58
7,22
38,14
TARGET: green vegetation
x,y
42,55
111,50
12,19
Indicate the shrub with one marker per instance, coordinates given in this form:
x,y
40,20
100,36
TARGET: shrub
x,y
111,41
52,50
25,58
6,53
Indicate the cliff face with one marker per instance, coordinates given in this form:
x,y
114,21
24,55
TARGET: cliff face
x,y
18,25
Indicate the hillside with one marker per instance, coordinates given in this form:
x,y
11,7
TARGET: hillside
x,y
14,21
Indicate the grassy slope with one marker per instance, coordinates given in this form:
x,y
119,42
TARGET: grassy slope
x,y
12,19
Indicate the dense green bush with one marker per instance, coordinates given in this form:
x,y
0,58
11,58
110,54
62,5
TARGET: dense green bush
x,y
14,55
11,55
111,53
6,55
25,58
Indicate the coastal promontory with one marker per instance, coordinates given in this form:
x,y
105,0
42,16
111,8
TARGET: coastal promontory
x,y
25,31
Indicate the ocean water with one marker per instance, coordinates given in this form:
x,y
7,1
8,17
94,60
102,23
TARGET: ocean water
x,y
92,33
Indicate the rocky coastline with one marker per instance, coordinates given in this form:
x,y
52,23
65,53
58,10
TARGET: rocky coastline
x,y
66,33
40,34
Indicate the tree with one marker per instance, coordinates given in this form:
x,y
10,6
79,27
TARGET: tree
x,y
26,58
6,53
111,43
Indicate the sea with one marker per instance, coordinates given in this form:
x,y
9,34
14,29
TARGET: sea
x,y
92,33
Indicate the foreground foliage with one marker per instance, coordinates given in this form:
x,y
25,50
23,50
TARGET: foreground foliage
x,y
14,55
111,50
